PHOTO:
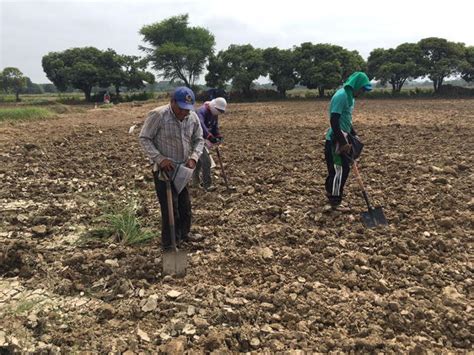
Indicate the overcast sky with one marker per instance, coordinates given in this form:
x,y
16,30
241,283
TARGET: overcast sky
x,y
29,29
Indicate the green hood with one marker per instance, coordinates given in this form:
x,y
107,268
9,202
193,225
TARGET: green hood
x,y
355,82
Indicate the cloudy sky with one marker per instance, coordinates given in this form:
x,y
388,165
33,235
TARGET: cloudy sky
x,y
29,29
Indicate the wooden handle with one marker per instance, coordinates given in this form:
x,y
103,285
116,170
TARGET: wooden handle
x,y
169,201
222,168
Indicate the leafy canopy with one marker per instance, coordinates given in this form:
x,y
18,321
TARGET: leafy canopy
x,y
325,66
395,66
176,50
84,68
281,68
441,58
13,80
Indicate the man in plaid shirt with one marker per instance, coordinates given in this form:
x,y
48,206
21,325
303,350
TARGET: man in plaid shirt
x,y
171,135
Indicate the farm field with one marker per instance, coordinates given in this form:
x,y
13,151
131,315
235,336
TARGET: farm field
x,y
273,269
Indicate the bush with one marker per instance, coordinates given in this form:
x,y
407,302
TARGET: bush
x,y
70,100
7,98
24,113
40,102
455,91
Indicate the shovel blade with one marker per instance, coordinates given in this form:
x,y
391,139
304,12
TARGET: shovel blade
x,y
374,217
175,262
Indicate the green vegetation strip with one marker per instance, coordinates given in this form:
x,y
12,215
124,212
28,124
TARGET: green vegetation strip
x,y
24,113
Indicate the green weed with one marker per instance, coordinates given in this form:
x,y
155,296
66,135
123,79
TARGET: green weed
x,y
123,225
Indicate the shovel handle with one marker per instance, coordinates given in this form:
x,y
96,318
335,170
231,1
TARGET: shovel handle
x,y
222,167
169,201
361,184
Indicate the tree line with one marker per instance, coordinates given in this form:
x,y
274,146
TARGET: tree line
x,y
179,52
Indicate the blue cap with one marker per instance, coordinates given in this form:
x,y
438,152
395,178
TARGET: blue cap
x,y
184,97
367,87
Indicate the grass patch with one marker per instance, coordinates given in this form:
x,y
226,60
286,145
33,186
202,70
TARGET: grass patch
x,y
122,225
26,305
107,105
24,113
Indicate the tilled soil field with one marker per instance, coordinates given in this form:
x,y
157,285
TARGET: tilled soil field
x,y
274,270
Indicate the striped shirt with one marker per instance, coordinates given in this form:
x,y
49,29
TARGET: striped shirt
x,y
163,136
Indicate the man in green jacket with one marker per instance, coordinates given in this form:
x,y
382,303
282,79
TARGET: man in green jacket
x,y
338,147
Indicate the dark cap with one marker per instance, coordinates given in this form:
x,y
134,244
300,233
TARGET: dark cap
x,y
184,97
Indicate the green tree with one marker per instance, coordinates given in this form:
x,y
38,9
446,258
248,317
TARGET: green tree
x,y
13,80
441,59
85,68
124,71
281,68
32,88
243,64
325,66
395,66
177,50
467,68
80,68
218,73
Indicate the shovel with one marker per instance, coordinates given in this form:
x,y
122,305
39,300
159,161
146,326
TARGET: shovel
x,y
229,188
174,260
374,216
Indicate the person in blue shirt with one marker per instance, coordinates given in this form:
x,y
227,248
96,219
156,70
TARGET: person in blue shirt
x,y
209,117
338,147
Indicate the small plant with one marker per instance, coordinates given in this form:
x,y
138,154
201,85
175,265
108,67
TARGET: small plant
x,y
107,105
123,226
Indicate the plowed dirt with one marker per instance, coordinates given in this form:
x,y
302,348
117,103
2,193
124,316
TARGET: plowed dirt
x,y
274,270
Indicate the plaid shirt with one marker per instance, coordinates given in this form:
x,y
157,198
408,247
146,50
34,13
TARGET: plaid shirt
x,y
163,136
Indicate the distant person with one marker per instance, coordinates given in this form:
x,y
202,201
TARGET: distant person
x,y
209,116
172,135
338,146
106,98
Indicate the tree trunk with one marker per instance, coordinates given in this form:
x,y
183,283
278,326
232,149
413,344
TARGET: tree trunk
x,y
440,83
246,91
282,92
321,91
117,90
17,94
87,93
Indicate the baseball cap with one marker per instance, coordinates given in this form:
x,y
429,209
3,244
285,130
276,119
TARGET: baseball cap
x,y
184,97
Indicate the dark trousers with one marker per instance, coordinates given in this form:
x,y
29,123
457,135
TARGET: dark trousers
x,y
181,210
337,175
203,165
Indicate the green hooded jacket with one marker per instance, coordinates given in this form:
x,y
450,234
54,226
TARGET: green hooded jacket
x,y
342,101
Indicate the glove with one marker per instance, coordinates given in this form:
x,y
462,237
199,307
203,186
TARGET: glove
x,y
220,139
